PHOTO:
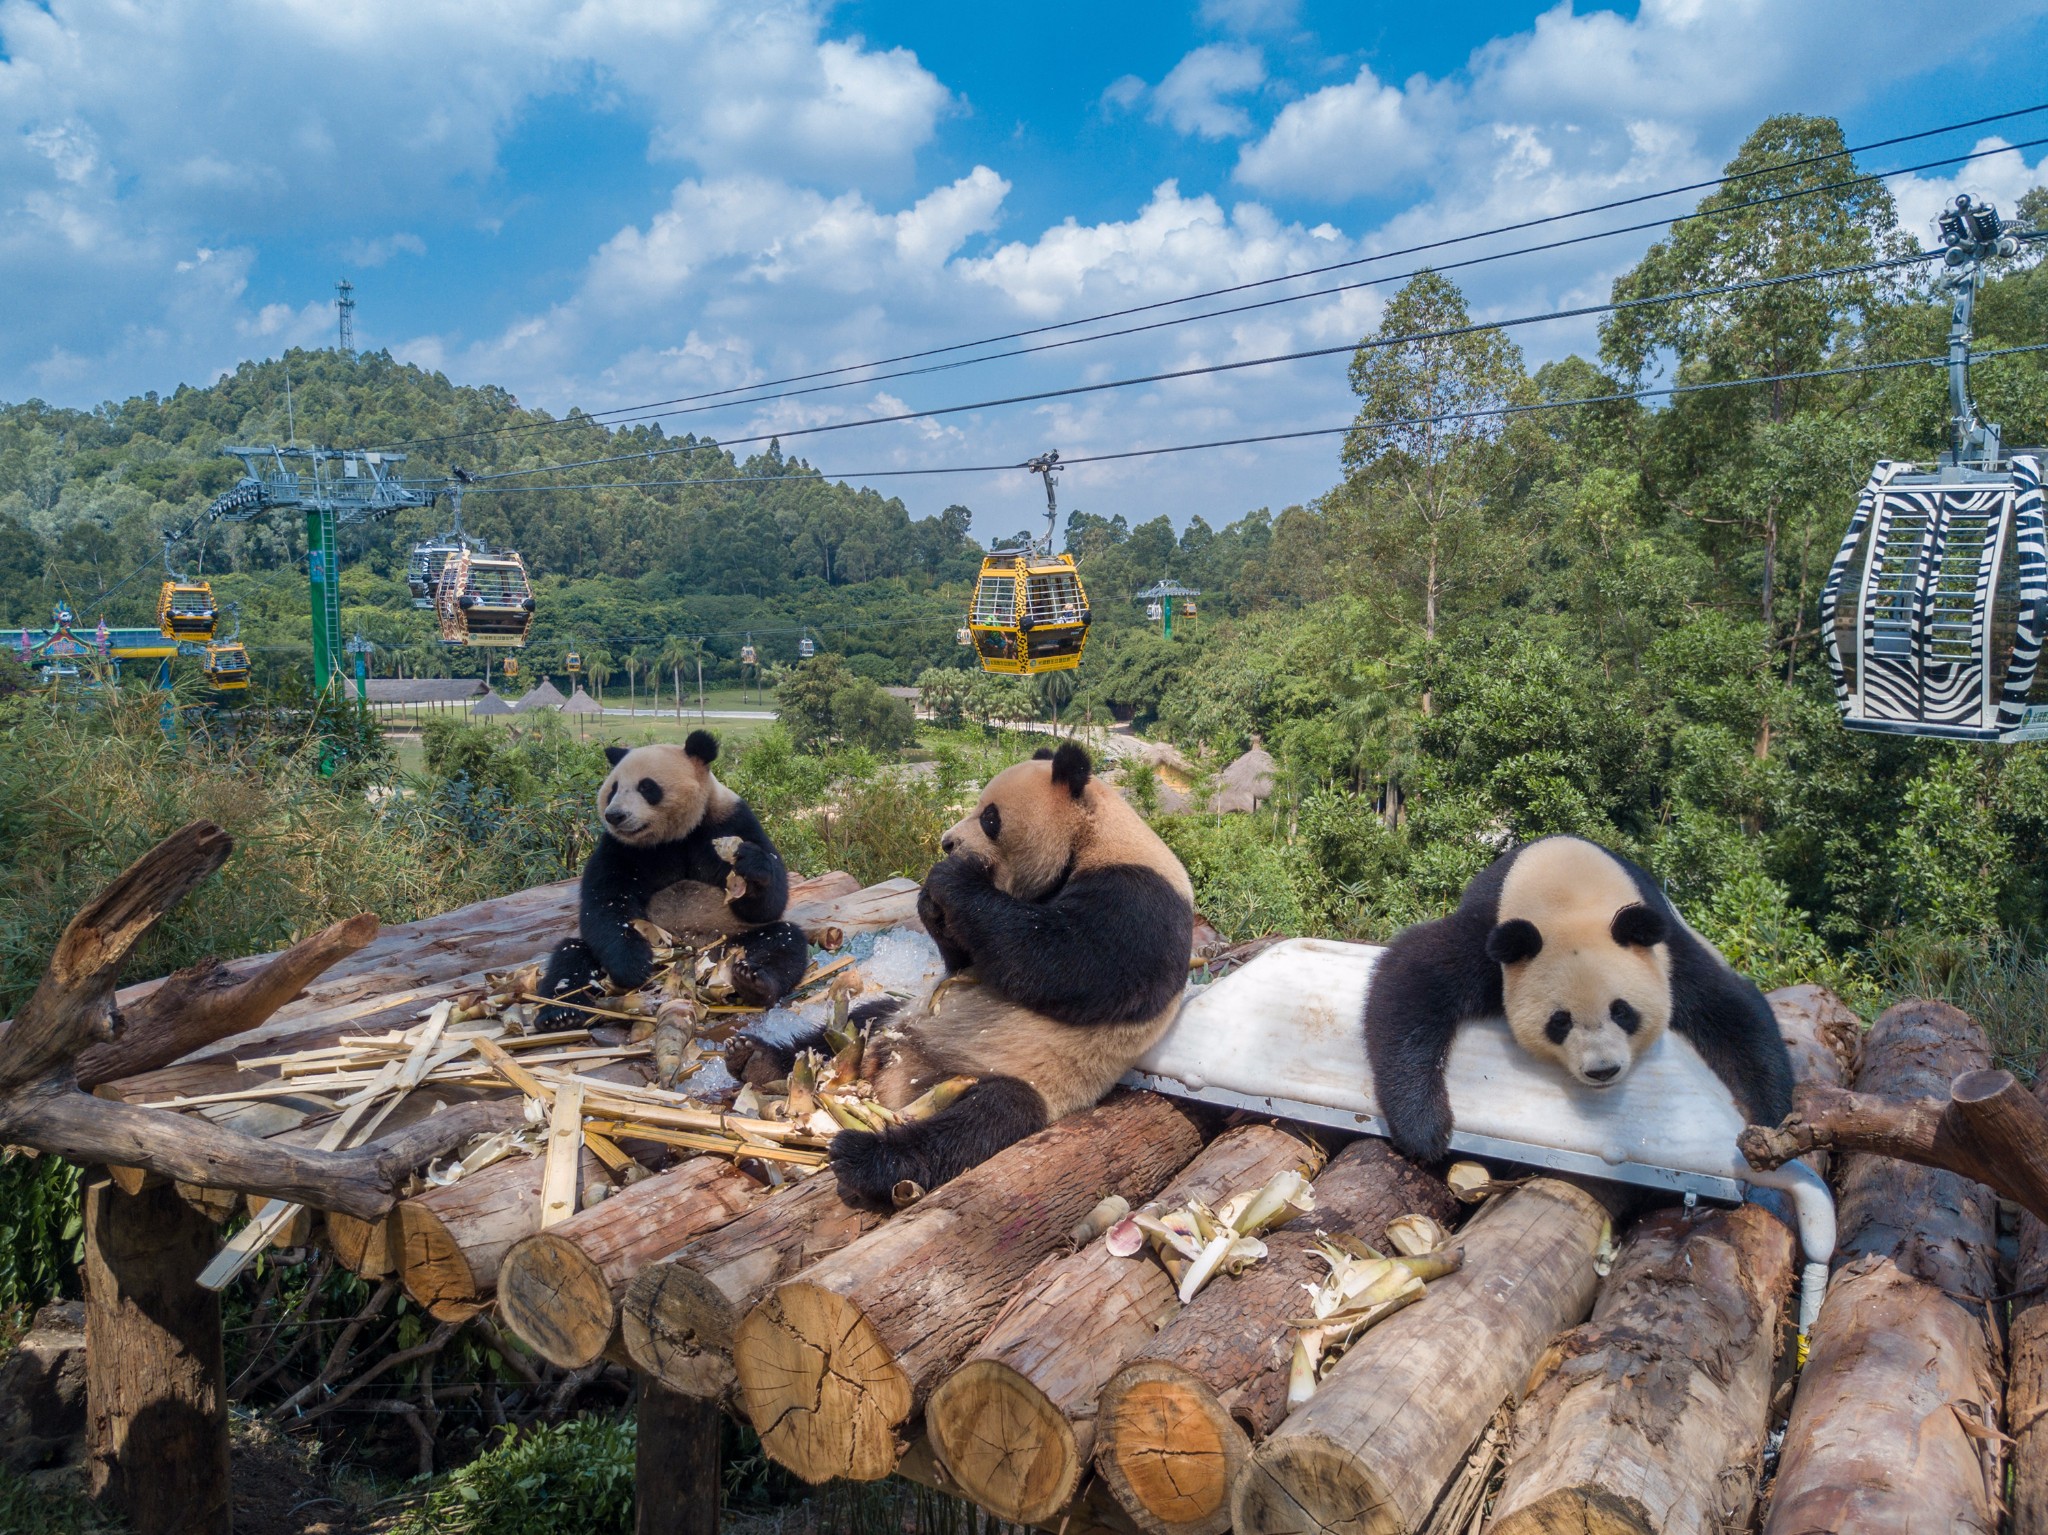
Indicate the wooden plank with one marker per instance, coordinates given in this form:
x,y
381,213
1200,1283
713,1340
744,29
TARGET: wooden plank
x,y
565,1141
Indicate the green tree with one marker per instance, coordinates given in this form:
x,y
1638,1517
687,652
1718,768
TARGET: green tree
x,y
824,703
1422,457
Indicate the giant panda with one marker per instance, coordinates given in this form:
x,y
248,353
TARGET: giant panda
x,y
1589,962
664,812
1065,926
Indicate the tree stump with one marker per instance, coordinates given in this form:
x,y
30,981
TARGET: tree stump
x,y
156,1388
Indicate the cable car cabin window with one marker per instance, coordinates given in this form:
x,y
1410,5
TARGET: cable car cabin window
x,y
995,601
1052,597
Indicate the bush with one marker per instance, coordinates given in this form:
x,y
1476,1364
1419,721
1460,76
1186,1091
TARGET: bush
x,y
1244,880
575,1476
825,703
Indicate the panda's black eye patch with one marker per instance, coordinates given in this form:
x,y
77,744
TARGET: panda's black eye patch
x,y
610,792
1560,1024
991,822
650,791
1625,1017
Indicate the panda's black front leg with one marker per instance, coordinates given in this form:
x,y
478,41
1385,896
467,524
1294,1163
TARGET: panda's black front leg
x,y
623,951
573,973
932,914
771,961
1411,1013
767,893
994,1113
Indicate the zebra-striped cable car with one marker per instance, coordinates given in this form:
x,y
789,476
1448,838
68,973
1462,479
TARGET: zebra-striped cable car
x,y
1935,608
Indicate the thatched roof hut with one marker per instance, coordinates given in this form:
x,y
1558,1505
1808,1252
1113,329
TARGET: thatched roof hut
x,y
544,696
1247,783
582,703
491,703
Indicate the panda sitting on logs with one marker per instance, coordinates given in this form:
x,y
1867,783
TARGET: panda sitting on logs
x,y
1065,925
658,859
1589,962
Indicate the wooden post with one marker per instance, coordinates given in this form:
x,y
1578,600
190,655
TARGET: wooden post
x,y
156,1387
675,1463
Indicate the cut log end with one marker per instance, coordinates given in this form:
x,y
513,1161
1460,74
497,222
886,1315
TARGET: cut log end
x,y
1310,1486
363,1247
1171,1453
1579,1511
820,1387
1009,1448
554,1296
678,1327
432,1265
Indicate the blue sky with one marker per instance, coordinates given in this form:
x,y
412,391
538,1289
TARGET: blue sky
x,y
603,202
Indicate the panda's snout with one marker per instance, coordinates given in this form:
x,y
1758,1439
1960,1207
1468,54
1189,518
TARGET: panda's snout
x,y
948,844
615,817
1602,1074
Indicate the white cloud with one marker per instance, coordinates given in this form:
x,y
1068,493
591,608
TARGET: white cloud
x,y
377,252
1249,15
1345,140
1191,99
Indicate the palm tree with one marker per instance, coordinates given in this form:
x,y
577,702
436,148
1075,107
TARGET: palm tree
x,y
597,665
1054,689
676,652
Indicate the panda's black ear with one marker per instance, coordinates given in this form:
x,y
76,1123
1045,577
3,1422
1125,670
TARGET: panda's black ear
x,y
1043,754
1639,926
614,754
1514,941
1071,768
702,745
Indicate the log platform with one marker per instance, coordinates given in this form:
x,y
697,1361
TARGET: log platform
x,y
989,1339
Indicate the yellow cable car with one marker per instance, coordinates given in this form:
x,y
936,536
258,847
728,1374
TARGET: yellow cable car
x,y
1030,611
227,667
573,662
185,610
484,599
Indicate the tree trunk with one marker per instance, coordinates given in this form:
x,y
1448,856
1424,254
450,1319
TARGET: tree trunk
x,y
835,1361
1894,1426
156,1389
1015,1425
1175,1426
557,1289
1385,1431
678,1317
675,1464
450,1241
2026,1399
1652,1416
363,1247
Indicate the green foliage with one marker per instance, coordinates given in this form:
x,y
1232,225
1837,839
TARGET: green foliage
x,y
570,1476
1244,882
28,1509
824,703
41,1231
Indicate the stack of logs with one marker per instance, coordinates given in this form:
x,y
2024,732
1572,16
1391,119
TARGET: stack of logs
x,y
1589,1367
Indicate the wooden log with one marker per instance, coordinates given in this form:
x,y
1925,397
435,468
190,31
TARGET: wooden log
x,y
363,1247
2026,1391
156,1388
678,1317
835,1361
1092,1511
450,1241
1015,1425
1894,1427
212,1001
558,1289
675,1463
1651,1417
1391,1423
1175,1426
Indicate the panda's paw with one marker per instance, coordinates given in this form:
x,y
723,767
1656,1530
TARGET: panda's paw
x,y
753,863
868,1167
1422,1134
756,1062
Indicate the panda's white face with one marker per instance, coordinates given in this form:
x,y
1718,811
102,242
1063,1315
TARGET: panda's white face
x,y
1585,970
655,794
1588,1003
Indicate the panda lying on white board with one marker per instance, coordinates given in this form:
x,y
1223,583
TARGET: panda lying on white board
x,y
1590,963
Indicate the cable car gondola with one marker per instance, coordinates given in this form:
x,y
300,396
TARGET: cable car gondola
x,y
1946,568
573,663
805,649
1030,612
747,655
484,599
423,569
185,610
227,667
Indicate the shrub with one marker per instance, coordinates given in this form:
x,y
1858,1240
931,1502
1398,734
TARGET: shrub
x,y
575,1476
825,703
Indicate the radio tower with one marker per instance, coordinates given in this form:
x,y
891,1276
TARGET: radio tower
x,y
345,304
